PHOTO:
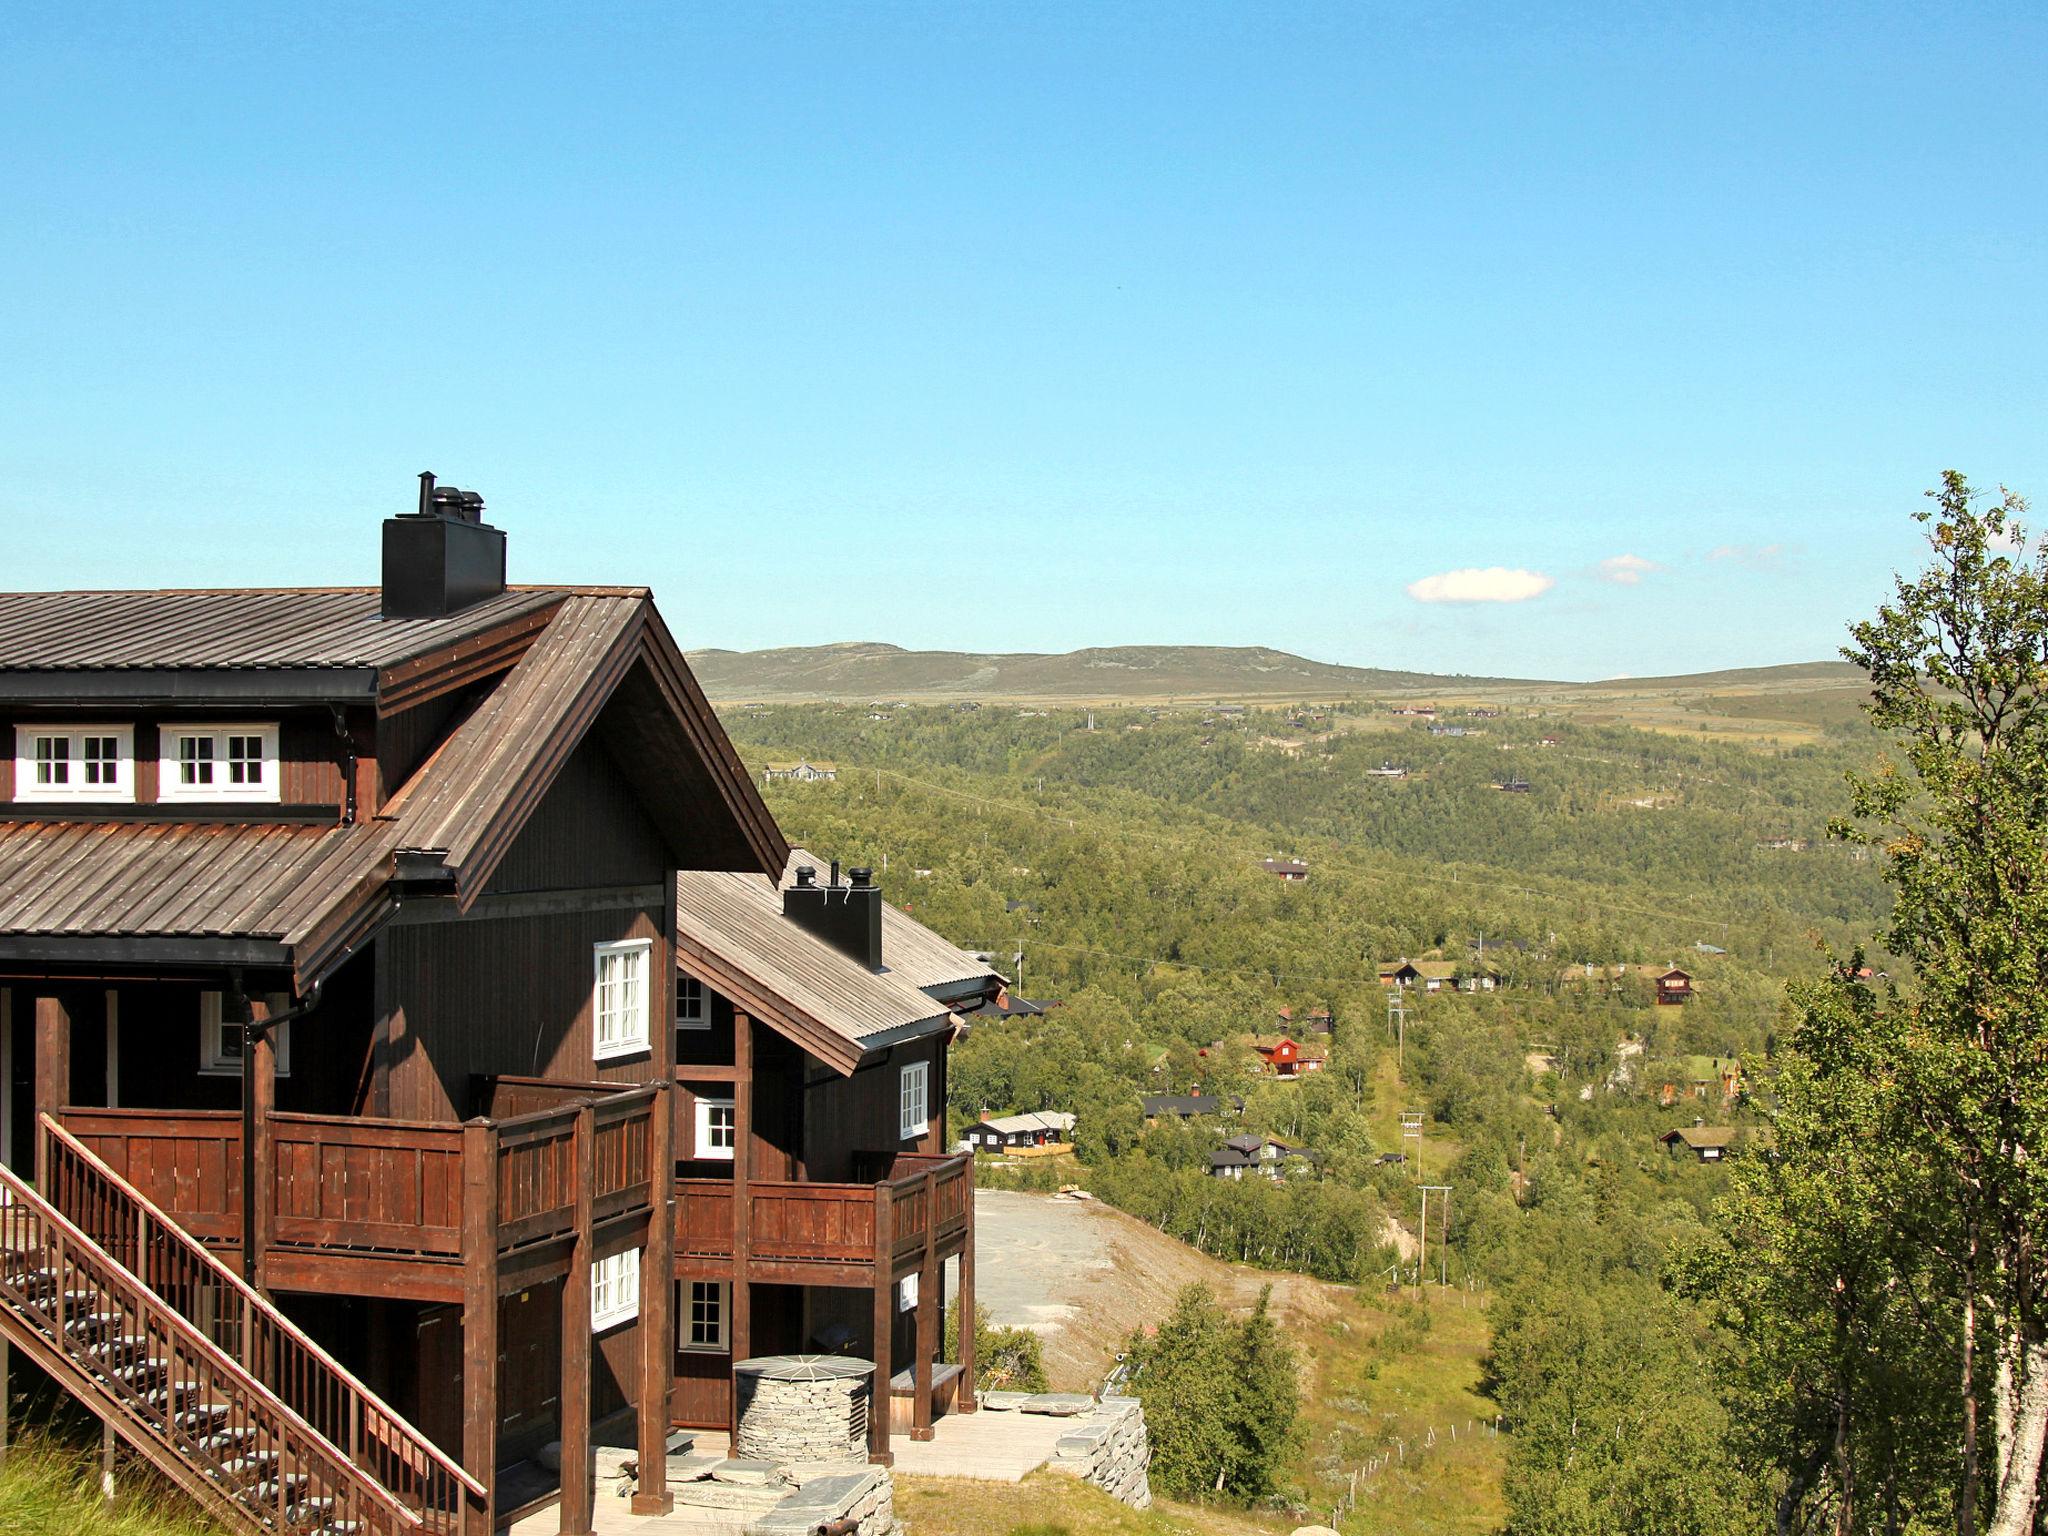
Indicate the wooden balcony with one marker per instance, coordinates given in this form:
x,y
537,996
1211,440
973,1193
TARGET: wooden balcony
x,y
379,1207
829,1234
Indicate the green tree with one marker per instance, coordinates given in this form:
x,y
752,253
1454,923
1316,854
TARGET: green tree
x,y
1957,662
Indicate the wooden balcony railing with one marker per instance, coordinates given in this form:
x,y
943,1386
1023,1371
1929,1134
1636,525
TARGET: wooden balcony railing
x,y
826,1225
382,1188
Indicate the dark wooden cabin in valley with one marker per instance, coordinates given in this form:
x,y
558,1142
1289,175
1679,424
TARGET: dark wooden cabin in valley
x,y
423,1055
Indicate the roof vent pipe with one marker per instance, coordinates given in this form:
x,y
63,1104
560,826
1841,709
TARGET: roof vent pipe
x,y
806,877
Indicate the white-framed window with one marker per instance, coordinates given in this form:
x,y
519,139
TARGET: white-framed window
x,y
906,1294
618,1004
717,1129
693,1003
614,1290
74,762
913,1089
701,1311
217,762
220,1039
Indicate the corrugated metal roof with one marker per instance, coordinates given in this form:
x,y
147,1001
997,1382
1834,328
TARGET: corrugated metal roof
x,y
910,950
268,627
155,878
739,919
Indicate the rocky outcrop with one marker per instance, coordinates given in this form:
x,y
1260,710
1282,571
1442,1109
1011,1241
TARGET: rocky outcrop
x,y
1110,1449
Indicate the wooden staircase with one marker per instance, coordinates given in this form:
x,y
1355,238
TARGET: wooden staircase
x,y
200,1373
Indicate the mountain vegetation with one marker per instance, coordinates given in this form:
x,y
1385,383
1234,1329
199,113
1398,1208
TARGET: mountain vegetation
x,y
1823,1312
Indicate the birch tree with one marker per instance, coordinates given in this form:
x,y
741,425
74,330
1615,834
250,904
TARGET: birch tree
x,y
1957,661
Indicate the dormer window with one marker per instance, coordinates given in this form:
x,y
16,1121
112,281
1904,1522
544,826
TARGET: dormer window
x,y
218,762
74,762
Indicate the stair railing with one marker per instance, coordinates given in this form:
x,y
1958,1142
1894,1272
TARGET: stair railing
x,y
245,1324
221,1433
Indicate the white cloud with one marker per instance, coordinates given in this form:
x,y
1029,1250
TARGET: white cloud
x,y
1756,557
1494,584
1626,570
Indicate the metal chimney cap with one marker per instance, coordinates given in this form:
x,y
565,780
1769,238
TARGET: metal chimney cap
x,y
861,876
806,875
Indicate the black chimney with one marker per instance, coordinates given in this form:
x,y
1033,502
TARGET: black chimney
x,y
848,917
443,557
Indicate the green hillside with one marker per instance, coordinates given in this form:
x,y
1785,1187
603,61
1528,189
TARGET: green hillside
x,y
862,671
859,671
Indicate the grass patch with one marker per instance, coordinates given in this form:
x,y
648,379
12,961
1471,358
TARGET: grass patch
x,y
1401,1372
1053,1504
52,1488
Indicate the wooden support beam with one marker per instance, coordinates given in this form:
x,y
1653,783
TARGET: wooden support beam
x,y
931,1302
657,1311
964,1398
742,1207
53,1068
579,1464
480,1313
885,1322
259,1169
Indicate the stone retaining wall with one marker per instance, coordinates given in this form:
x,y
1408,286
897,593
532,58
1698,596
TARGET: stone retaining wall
x,y
1110,1449
866,1494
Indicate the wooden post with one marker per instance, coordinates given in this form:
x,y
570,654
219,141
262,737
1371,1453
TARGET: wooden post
x,y
579,1467
965,1399
53,1071
742,1208
931,1301
259,1163
657,1312
885,1323
480,1313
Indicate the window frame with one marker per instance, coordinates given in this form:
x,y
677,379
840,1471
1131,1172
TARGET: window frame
x,y
615,1271
701,1147
213,1058
170,755
907,1290
643,1043
28,792
920,1074
686,1316
700,1017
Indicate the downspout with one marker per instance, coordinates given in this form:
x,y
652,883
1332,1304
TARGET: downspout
x,y
251,1028
348,769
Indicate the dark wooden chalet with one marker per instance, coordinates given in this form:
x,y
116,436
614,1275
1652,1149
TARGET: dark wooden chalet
x,y
378,1066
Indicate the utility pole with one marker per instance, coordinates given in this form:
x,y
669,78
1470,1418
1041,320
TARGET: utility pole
x,y
1411,1130
1443,1240
1397,1024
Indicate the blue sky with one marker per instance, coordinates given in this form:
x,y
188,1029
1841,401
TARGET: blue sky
x,y
1033,326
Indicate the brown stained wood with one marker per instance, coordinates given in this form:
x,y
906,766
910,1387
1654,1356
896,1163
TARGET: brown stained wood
x,y
53,1064
578,1463
884,1326
930,1304
742,1203
480,1310
259,1086
967,1401
657,1315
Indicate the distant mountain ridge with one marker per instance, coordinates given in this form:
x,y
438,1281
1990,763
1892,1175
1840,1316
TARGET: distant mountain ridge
x,y
861,670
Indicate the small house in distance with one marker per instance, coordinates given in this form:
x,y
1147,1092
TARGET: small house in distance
x,y
1707,1143
1043,1128
1285,869
1674,986
1702,1077
1256,1154
1311,1021
1287,1058
800,773
1179,1106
